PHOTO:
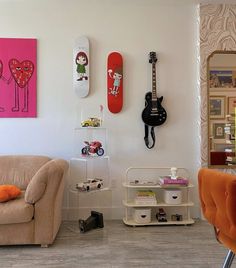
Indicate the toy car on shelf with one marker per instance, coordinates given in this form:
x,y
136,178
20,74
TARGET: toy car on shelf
x,y
91,122
90,184
161,215
94,147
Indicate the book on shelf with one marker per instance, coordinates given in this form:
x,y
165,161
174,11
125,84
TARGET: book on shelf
x,y
228,141
229,150
231,159
145,193
145,197
145,202
230,117
179,181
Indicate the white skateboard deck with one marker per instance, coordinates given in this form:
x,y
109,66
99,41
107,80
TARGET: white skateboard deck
x,y
81,66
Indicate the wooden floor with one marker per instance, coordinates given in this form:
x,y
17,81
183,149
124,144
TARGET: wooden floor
x,y
117,245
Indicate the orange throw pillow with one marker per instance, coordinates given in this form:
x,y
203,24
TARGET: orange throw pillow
x,y
8,192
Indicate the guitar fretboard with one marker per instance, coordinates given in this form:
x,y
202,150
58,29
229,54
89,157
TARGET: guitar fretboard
x,y
154,90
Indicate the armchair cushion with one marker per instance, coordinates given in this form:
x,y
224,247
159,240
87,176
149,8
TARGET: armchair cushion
x,y
8,192
19,170
16,211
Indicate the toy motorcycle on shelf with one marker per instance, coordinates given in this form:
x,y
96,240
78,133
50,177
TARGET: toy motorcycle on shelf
x,y
94,147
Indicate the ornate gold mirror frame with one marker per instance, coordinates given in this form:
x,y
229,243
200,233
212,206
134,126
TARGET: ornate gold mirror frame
x,y
217,33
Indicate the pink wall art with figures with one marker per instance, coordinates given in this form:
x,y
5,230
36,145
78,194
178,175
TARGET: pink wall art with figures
x,y
18,77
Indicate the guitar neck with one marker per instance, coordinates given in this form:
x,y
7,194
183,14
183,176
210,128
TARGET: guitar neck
x,y
154,90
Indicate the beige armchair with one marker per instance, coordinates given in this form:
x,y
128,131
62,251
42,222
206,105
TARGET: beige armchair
x,y
35,216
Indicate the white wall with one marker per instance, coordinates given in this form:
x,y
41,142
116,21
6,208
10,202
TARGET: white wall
x,y
134,28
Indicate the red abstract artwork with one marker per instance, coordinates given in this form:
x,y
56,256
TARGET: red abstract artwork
x,y
18,77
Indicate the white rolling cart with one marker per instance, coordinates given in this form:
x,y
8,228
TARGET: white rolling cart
x,y
147,178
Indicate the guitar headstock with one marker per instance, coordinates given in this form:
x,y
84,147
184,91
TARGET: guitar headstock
x,y
152,57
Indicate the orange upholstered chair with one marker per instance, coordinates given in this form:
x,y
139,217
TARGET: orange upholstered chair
x,y
218,200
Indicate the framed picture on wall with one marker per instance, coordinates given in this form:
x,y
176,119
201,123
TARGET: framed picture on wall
x,y
18,77
223,78
217,107
231,105
218,130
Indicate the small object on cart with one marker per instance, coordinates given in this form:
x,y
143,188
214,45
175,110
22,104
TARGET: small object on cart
x,y
161,215
173,172
90,184
176,217
144,182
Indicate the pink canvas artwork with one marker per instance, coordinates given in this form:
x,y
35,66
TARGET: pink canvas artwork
x,y
18,77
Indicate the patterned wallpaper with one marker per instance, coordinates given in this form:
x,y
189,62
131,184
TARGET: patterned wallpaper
x,y
217,32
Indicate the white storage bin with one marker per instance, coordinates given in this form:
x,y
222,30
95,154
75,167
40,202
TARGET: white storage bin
x,y
173,196
142,215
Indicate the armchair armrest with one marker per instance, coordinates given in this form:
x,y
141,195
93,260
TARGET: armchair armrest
x,y
48,208
52,170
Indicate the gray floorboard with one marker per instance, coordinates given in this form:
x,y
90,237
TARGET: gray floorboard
x,y
120,246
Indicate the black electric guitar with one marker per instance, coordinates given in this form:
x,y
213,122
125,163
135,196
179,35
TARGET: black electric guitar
x,y
153,114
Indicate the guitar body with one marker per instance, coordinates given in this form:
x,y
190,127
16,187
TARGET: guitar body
x,y
153,116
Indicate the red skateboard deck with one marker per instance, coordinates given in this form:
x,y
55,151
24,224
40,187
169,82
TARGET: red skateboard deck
x,y
115,82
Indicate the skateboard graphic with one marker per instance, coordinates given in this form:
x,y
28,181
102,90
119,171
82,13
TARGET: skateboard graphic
x,y
81,66
115,82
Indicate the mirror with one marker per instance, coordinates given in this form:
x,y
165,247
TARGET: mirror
x,y
221,79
